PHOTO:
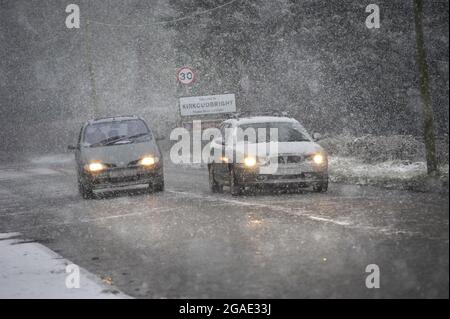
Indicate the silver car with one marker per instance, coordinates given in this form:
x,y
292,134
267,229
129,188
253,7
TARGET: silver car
x,y
300,161
117,152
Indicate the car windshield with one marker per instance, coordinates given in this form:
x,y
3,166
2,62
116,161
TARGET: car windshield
x,y
287,132
109,133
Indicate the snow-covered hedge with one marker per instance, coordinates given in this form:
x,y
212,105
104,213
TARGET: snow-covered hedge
x,y
376,149
396,161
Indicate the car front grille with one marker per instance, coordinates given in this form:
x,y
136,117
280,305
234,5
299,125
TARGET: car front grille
x,y
290,159
307,175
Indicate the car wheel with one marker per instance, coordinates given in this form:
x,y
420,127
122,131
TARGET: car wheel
x,y
235,188
156,186
85,191
213,185
322,187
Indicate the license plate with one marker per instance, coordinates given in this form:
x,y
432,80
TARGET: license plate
x,y
122,173
288,170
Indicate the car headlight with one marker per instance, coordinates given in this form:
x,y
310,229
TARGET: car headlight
x,y
95,167
148,161
318,158
224,159
250,161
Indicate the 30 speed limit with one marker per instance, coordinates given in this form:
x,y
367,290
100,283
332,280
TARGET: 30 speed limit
x,y
185,75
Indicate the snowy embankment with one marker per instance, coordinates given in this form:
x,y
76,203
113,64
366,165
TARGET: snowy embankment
x,y
389,174
396,161
30,270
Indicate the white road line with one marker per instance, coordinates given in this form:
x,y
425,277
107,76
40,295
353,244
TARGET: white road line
x,y
13,174
305,214
260,205
66,171
9,235
89,220
158,209
342,223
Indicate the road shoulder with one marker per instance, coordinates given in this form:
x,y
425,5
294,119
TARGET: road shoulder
x,y
31,270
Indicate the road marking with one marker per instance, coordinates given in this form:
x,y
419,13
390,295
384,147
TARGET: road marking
x,y
89,220
13,174
9,235
305,214
158,209
268,206
342,223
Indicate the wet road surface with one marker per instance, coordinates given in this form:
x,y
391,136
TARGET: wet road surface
x,y
188,242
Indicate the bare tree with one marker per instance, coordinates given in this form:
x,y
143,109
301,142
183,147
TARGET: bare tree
x,y
429,134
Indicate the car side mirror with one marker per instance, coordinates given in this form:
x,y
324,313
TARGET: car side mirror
x,y
72,147
317,136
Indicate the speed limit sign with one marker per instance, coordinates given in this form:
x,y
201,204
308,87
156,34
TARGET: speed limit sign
x,y
185,75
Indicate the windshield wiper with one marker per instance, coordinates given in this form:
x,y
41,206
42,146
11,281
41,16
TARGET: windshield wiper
x,y
137,135
114,139
132,137
107,141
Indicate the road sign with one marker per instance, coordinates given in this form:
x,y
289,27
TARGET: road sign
x,y
211,104
185,75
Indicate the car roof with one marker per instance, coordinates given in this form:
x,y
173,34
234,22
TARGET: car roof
x,y
261,119
113,119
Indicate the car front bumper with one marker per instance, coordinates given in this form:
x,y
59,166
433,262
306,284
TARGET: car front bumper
x,y
122,177
246,176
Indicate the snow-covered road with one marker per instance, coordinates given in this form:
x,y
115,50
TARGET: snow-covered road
x,y
188,242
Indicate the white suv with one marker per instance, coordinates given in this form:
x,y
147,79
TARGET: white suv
x,y
288,157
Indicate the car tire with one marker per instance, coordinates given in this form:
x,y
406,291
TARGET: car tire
x,y
322,187
85,191
156,186
235,188
213,185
